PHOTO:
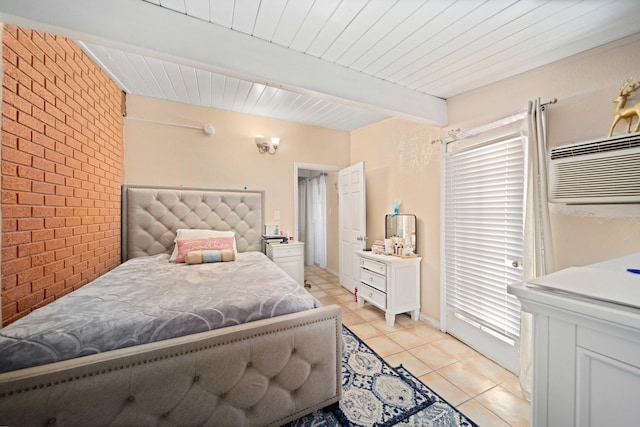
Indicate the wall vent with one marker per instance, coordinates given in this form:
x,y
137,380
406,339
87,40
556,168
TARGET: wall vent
x,y
600,171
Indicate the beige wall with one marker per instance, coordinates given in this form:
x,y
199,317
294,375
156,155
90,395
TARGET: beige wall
x,y
402,164
160,154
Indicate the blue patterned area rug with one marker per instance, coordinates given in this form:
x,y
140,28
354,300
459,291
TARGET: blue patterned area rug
x,y
376,394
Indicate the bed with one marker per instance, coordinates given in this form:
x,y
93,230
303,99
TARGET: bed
x,y
250,365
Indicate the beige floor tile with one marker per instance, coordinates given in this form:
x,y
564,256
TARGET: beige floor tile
x,y
432,356
444,388
382,325
487,368
404,320
455,348
345,308
470,382
365,330
406,338
318,293
383,346
332,291
328,300
409,361
513,410
481,415
351,319
370,314
427,332
512,384
343,298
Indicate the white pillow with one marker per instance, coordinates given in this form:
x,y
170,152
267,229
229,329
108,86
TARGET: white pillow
x,y
194,234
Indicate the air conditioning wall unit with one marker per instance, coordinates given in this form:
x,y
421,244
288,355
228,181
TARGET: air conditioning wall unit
x,y
604,170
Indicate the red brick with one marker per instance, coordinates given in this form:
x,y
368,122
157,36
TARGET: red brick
x,y
28,275
42,211
28,95
29,147
30,300
42,235
42,259
25,224
51,200
15,266
15,128
15,183
43,188
62,142
30,173
21,104
15,293
30,198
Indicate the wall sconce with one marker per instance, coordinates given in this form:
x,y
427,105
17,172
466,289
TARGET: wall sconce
x,y
266,145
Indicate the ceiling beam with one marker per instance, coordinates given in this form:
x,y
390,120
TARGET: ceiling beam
x,y
144,28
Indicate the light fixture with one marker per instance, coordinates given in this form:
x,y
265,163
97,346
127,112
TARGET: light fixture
x,y
266,145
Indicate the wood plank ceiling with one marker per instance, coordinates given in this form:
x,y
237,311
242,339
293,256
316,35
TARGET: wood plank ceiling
x,y
374,58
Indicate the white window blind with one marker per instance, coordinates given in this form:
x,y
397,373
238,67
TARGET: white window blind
x,y
483,235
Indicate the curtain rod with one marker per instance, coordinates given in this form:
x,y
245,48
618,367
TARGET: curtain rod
x,y
456,134
206,128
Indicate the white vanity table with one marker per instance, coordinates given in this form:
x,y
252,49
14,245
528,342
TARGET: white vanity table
x,y
289,257
390,283
586,344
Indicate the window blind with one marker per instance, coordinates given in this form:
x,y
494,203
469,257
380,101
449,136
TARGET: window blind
x,y
483,234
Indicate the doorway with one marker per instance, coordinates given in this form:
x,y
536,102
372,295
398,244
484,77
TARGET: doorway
x,y
315,213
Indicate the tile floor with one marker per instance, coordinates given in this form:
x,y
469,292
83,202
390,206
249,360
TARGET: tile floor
x,y
481,389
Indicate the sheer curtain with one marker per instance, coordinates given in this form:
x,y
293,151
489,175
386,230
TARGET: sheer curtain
x,y
309,244
538,245
320,222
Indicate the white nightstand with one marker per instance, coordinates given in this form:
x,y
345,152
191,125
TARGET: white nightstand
x,y
390,283
290,257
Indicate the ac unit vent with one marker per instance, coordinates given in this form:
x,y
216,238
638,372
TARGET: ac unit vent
x,y
600,171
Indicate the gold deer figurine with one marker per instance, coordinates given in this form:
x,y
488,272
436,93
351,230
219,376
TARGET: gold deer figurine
x,y
627,114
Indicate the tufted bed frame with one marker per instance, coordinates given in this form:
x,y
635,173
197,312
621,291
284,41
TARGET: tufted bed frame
x,y
266,372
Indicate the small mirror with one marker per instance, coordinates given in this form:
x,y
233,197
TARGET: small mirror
x,y
403,228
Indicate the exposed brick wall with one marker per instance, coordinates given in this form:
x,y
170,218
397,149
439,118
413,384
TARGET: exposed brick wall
x,y
62,168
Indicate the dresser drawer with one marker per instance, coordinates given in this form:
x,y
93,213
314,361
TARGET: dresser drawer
x,y
286,250
374,296
374,280
374,266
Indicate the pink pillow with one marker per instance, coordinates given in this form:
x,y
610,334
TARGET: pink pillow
x,y
212,243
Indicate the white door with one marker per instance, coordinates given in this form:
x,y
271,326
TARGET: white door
x,y
353,225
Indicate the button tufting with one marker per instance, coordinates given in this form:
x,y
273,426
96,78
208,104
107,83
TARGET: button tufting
x,y
196,379
249,364
131,398
165,415
223,395
51,421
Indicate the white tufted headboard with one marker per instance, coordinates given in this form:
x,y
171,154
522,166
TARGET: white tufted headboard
x,y
151,216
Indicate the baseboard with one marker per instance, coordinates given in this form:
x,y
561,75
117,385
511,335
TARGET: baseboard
x,y
430,321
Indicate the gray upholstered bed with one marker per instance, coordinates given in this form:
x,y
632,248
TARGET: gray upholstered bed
x,y
264,372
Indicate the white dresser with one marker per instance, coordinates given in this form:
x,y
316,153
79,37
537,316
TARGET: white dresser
x,y
586,344
390,283
290,257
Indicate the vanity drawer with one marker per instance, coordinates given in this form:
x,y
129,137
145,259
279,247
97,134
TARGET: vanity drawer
x,y
375,266
374,296
374,280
